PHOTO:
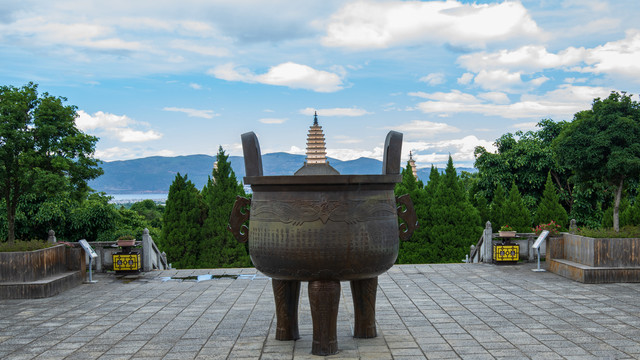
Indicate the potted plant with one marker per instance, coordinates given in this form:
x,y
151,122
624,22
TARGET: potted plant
x,y
506,231
126,240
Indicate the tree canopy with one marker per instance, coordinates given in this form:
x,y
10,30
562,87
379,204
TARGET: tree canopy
x,y
41,149
603,144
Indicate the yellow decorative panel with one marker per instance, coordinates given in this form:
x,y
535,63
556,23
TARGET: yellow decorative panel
x,y
506,252
126,262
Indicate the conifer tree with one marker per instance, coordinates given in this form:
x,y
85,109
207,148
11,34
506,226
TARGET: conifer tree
x,y
549,208
497,208
517,214
412,251
455,222
218,247
181,223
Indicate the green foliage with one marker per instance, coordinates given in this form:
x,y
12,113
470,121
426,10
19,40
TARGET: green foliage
x,y
603,144
632,232
414,251
518,216
94,220
20,245
181,224
523,158
631,215
454,221
218,247
549,208
150,211
498,214
42,151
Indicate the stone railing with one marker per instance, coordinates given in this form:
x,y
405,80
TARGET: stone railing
x,y
483,250
152,258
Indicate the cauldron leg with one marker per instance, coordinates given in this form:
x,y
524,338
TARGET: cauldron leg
x,y
287,295
364,306
324,299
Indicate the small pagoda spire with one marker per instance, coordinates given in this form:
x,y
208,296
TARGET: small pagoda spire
x,y
315,118
412,163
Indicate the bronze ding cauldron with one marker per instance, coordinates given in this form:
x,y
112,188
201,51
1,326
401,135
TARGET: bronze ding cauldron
x,y
323,229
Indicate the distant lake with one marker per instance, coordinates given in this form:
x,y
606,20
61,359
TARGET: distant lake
x,y
129,198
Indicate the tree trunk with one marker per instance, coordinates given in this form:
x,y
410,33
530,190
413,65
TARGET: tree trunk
x,y
616,207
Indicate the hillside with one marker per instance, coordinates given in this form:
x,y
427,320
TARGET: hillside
x,y
155,174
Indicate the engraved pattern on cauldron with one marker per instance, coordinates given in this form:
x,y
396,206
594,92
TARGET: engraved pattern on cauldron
x,y
325,251
298,212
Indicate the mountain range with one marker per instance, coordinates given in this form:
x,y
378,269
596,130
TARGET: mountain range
x,y
155,174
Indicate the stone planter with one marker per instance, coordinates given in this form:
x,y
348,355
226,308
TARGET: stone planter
x,y
40,273
507,233
594,260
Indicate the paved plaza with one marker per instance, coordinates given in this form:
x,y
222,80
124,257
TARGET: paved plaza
x,y
439,311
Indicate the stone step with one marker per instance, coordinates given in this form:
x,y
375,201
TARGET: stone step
x,y
593,275
41,288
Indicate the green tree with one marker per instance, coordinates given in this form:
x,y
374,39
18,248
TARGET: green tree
x,y
518,216
93,219
218,247
455,222
603,144
414,250
526,158
151,212
181,223
549,208
41,149
498,214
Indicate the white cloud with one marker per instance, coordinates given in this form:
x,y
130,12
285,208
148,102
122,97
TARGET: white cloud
x,y
561,103
205,114
376,25
117,126
198,48
453,96
433,79
465,78
352,112
620,58
195,86
461,150
347,154
272,121
343,139
498,80
295,76
530,58
495,97
421,129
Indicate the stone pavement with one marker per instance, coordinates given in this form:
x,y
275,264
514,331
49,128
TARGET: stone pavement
x,y
441,311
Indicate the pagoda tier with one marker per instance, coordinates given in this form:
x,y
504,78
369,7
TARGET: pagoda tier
x,y
316,147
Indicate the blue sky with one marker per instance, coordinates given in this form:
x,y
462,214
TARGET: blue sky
x,y
184,77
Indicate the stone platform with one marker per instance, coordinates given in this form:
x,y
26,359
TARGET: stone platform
x,y
441,311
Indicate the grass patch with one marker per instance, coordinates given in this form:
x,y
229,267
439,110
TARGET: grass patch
x,y
625,232
20,245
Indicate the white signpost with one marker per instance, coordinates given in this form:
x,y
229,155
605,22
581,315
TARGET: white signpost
x,y
537,244
92,255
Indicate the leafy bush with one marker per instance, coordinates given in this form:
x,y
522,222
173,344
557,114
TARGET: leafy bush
x,y
625,232
20,245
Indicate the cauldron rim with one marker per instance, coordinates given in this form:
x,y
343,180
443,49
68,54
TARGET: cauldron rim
x,y
323,179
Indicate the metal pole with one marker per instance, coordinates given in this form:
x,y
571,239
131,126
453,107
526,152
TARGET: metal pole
x,y
91,281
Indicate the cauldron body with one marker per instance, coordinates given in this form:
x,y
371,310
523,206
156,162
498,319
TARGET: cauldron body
x,y
342,227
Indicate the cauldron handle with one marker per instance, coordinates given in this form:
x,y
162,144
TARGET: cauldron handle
x,y
392,150
408,215
238,218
